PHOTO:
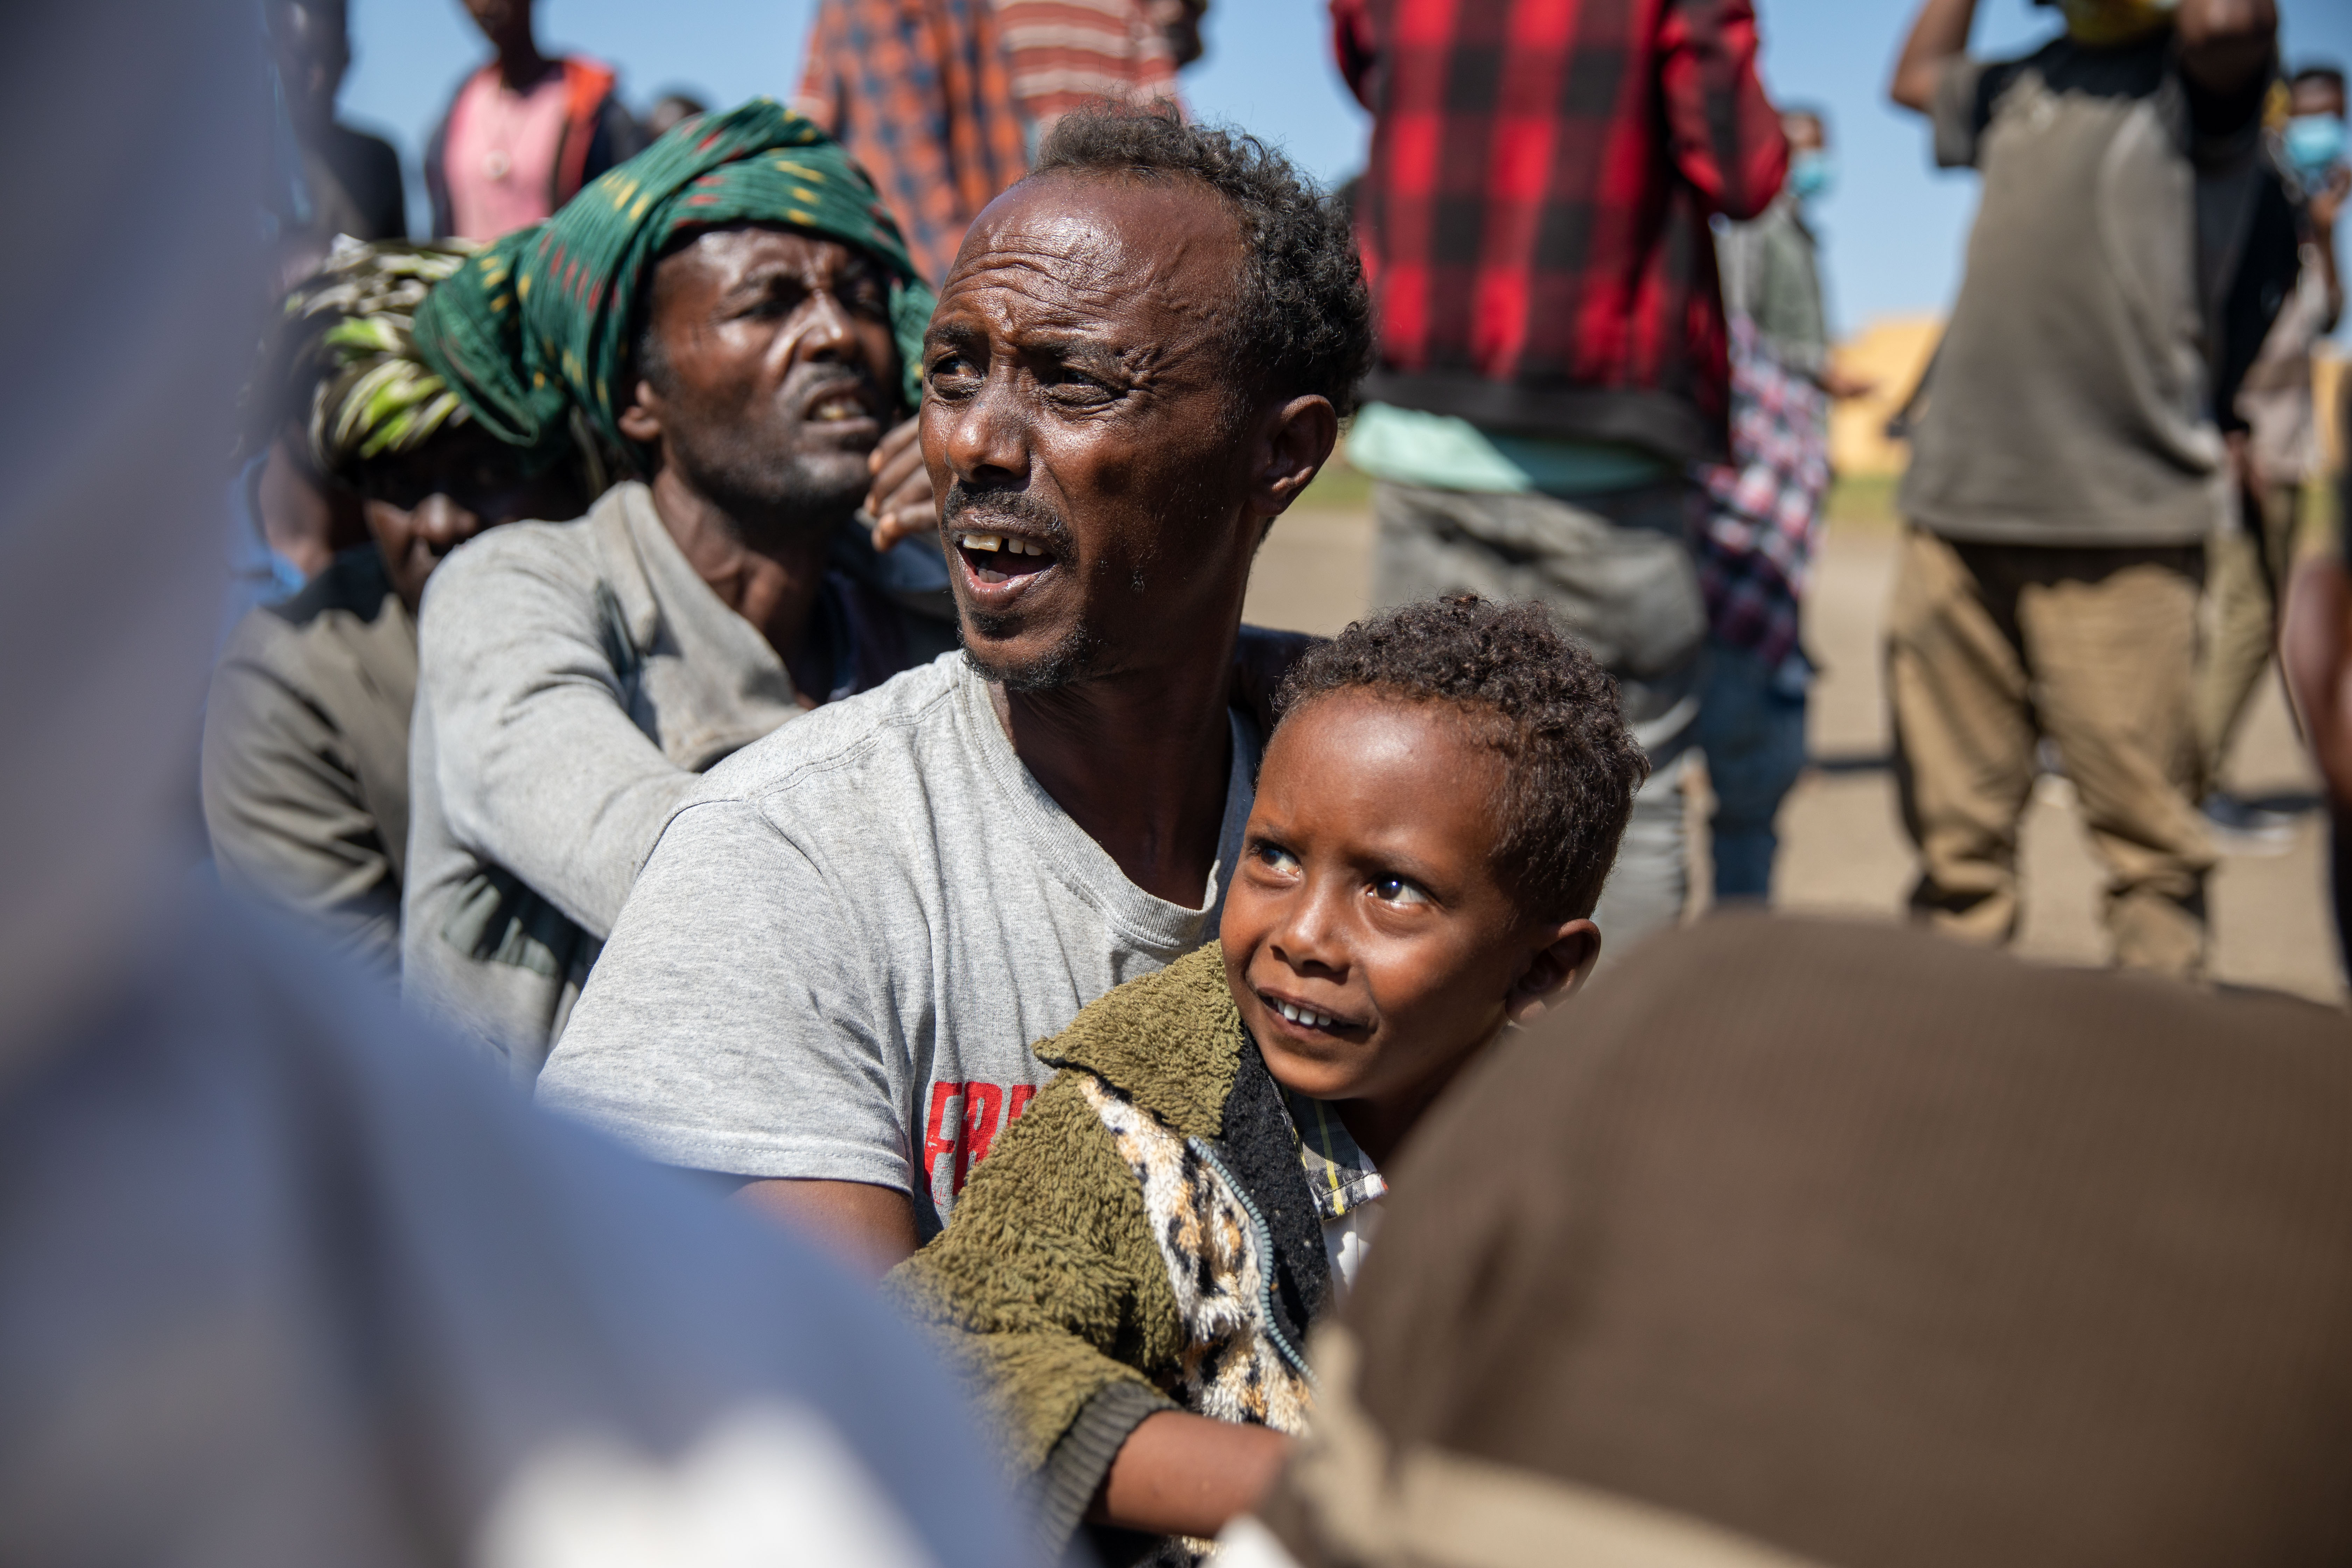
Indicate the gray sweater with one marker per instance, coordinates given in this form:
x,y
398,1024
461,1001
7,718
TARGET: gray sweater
x,y
574,678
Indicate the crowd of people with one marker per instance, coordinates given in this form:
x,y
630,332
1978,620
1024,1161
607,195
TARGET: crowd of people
x,y
741,631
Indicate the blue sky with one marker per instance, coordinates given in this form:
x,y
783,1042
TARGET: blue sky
x,y
1894,226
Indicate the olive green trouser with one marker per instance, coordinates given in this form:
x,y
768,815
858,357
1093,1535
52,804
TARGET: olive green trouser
x,y
1990,648
2245,582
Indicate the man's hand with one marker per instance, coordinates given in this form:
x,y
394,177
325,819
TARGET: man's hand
x,y
1181,1474
1840,383
2237,450
2326,203
2316,657
1261,659
2226,44
1939,35
900,503
870,1228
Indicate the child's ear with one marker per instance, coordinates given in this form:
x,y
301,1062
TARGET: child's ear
x,y
1554,971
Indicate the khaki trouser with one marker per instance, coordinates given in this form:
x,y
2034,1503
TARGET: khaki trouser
x,y
2245,580
1992,647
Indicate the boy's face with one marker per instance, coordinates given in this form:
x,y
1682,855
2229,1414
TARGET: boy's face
x,y
1367,901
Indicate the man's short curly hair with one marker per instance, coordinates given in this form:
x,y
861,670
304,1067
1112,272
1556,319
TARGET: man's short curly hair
x,y
1303,323
1544,705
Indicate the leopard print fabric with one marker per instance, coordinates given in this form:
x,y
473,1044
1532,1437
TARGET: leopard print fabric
x,y
1234,1366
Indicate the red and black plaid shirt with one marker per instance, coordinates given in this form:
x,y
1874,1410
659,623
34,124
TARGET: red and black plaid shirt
x,y
1534,217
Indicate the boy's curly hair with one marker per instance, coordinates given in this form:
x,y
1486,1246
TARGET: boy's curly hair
x,y
1541,702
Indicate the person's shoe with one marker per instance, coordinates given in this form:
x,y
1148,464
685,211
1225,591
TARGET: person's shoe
x,y
2241,828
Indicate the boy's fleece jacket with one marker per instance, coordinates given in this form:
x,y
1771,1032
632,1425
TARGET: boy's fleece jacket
x,y
1142,1239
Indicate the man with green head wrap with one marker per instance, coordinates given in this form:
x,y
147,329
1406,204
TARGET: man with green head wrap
x,y
306,729
733,315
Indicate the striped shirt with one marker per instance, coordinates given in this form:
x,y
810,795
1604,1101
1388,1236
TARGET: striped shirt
x,y
1344,1182
1065,53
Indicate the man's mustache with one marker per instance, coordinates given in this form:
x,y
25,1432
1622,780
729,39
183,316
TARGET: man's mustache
x,y
813,384
966,506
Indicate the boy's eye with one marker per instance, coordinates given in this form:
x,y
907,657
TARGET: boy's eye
x,y
1275,858
1397,890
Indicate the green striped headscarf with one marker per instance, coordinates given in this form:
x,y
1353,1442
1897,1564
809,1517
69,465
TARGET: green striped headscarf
x,y
542,321
346,336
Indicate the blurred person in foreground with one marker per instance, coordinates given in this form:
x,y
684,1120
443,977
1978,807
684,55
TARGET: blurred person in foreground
x,y
827,979
1764,514
2249,564
732,315
1552,337
286,1280
351,180
524,133
1813,1243
920,92
2067,468
306,729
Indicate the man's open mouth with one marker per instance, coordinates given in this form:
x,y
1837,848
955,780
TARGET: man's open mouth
x,y
994,558
838,407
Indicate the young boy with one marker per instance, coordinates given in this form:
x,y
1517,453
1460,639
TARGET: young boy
x,y
1131,1274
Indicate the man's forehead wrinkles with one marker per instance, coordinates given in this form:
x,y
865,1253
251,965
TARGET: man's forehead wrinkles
x,y
1091,279
1040,292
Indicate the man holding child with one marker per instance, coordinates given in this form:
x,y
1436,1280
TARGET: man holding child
x,y
829,977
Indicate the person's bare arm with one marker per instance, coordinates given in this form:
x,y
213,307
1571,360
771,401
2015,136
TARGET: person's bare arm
x,y
1940,34
2327,204
2225,44
1181,1474
869,1227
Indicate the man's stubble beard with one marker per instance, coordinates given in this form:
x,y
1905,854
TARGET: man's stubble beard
x,y
775,495
775,498
1077,657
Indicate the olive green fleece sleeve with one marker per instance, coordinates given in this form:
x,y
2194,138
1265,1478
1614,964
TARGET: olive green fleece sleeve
x,y
1047,1290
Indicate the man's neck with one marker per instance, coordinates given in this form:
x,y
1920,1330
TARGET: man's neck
x,y
1140,761
521,64
774,586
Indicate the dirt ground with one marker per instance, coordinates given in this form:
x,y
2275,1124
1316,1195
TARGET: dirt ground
x,y
1843,849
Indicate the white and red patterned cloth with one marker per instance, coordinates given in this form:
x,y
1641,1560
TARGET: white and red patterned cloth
x,y
1764,507
1065,53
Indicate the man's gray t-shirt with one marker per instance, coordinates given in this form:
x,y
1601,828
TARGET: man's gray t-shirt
x,y
2068,403
835,961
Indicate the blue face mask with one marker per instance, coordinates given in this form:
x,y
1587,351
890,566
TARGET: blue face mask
x,y
1811,175
2314,144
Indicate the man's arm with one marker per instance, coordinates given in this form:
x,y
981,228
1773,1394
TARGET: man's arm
x,y
729,1027
2326,203
1357,51
538,767
286,821
1722,132
870,1228
1939,35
